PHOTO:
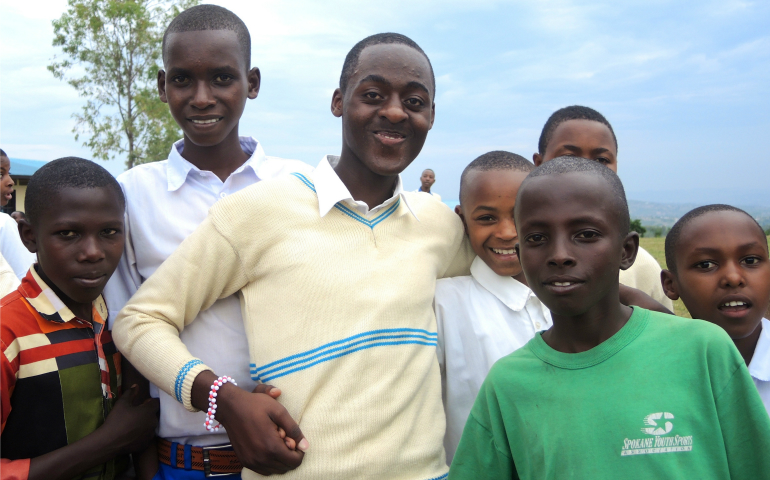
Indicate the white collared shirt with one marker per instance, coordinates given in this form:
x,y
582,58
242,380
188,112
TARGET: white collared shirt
x,y
481,318
759,368
11,247
331,190
165,202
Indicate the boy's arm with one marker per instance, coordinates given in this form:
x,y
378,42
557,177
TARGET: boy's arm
x,y
203,269
126,280
481,449
633,297
743,420
127,428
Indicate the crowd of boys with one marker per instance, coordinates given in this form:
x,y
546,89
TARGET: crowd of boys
x,y
372,332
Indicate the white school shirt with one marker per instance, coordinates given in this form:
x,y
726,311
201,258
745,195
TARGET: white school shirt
x,y
330,191
481,318
759,367
14,252
165,202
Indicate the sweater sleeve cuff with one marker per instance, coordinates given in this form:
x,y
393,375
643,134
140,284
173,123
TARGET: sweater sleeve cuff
x,y
184,382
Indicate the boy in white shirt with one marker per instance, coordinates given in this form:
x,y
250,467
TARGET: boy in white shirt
x,y
166,201
718,264
489,314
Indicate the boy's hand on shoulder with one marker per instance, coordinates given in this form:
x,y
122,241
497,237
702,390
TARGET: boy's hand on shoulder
x,y
132,427
264,436
630,296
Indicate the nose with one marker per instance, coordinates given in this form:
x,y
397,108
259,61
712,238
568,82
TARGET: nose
x,y
203,97
732,276
393,110
506,230
560,253
91,250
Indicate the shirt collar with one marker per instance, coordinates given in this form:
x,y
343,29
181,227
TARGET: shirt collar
x,y
508,290
759,367
331,190
50,306
179,168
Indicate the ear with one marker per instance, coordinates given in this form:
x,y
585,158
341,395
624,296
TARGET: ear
x,y
670,285
162,85
630,248
432,115
27,234
337,99
459,211
537,159
255,80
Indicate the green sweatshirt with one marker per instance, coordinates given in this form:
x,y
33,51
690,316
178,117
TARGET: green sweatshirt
x,y
665,397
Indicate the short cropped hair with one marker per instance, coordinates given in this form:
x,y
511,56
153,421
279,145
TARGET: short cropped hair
x,y
574,112
2,153
351,60
573,164
495,160
210,17
67,172
675,234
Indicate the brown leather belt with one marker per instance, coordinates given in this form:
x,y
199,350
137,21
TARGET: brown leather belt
x,y
214,460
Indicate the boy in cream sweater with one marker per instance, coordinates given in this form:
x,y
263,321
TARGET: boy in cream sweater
x,y
336,273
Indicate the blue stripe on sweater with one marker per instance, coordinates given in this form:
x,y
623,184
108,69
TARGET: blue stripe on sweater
x,y
442,477
182,375
340,348
347,211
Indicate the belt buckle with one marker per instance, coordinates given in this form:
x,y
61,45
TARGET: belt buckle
x,y
207,460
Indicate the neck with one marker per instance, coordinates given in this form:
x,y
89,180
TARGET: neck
x,y
362,183
584,332
83,311
748,344
521,278
221,159
426,190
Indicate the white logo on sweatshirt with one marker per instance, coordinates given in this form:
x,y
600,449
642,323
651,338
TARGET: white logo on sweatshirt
x,y
658,425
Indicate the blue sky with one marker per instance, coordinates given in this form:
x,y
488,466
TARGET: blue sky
x,y
686,85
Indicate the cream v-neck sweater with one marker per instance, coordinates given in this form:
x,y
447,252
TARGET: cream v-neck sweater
x,y
338,314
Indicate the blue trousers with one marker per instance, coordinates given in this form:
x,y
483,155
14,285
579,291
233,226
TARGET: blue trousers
x,y
167,472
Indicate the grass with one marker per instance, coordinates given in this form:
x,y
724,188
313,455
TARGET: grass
x,y
656,248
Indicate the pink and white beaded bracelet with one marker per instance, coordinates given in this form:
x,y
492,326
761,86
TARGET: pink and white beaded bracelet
x,y
209,423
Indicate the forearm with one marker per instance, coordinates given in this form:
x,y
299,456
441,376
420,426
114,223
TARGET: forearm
x,y
203,269
632,297
76,458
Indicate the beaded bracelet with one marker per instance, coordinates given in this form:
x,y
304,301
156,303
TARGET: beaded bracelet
x,y
209,423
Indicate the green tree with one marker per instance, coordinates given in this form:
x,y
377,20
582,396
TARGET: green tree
x,y
112,53
636,226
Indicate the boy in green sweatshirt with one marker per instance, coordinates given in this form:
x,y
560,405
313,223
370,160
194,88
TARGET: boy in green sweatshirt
x,y
609,391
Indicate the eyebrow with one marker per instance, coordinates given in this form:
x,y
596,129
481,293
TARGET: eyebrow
x,y
484,208
712,250
380,79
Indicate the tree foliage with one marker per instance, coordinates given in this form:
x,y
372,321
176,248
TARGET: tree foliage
x,y
112,53
636,226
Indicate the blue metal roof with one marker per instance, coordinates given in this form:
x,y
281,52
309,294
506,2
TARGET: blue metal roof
x,y
21,167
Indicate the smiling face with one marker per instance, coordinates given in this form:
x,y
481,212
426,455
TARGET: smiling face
x,y
78,240
487,209
582,138
206,83
387,108
570,245
6,182
722,271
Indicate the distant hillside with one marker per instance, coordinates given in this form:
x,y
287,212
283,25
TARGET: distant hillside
x,y
666,214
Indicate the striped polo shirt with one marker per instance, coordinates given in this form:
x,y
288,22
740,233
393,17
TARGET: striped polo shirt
x,y
60,376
